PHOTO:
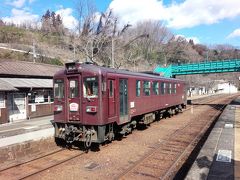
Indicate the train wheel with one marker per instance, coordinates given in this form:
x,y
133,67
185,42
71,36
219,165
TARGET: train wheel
x,y
170,113
60,142
111,136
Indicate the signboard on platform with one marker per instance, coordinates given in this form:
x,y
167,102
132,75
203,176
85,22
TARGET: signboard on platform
x,y
224,156
39,98
33,107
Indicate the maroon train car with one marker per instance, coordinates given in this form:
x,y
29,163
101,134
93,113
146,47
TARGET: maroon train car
x,y
93,103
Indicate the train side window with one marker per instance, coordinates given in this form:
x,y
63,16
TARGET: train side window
x,y
169,88
156,88
166,89
90,87
146,88
73,88
174,88
138,88
163,87
111,89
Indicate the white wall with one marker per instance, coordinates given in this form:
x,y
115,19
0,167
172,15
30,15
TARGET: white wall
x,y
226,88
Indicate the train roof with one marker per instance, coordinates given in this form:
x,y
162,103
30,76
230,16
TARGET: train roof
x,y
101,69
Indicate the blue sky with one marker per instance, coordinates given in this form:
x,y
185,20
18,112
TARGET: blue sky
x,y
209,22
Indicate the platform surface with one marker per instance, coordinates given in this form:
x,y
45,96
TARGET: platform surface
x,y
26,130
219,158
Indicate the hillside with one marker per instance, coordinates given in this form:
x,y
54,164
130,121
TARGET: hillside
x,y
140,49
49,48
17,44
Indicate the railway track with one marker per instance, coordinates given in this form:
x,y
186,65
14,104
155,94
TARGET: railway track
x,y
38,165
163,161
27,161
169,155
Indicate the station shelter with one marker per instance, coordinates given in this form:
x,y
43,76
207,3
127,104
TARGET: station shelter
x,y
25,90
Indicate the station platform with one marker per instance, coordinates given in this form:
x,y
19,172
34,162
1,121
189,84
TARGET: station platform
x,y
26,130
32,129
219,157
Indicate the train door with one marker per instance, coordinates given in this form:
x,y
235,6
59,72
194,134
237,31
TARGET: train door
x,y
123,94
111,97
73,99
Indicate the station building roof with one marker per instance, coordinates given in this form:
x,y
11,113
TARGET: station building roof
x,y
5,86
15,75
27,69
17,83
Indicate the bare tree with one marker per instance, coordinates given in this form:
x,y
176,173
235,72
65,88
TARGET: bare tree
x,y
2,23
145,41
223,51
85,10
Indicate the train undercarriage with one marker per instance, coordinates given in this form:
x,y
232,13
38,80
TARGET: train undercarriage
x,y
88,134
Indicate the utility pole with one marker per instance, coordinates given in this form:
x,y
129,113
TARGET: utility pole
x,y
113,61
34,52
92,50
74,50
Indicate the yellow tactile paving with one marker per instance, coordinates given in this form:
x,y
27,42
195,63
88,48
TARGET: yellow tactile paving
x,y
237,144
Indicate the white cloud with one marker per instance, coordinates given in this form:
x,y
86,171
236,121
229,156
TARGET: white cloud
x,y
234,34
18,3
69,21
192,13
19,17
96,17
177,15
134,10
195,39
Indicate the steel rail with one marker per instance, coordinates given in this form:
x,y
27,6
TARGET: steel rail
x,y
27,164
196,139
51,166
28,161
166,140
82,153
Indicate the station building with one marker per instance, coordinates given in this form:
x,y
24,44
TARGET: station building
x,y
25,90
226,88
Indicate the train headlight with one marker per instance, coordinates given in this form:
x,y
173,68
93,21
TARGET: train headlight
x,y
58,107
91,109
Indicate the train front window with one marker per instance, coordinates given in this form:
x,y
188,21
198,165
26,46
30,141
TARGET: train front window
x,y
73,88
90,87
59,88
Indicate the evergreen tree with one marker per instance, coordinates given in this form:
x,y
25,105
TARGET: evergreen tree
x,y
52,22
